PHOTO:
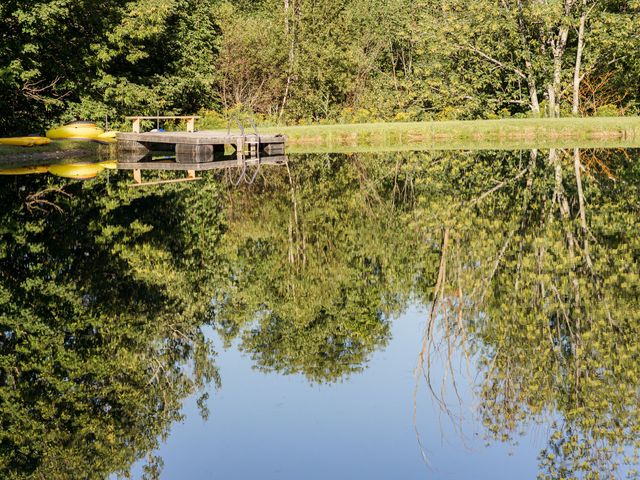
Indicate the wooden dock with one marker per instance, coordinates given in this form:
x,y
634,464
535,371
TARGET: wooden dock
x,y
202,146
192,150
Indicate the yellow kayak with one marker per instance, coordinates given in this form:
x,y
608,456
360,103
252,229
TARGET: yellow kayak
x,y
25,170
80,171
76,131
109,165
107,137
24,141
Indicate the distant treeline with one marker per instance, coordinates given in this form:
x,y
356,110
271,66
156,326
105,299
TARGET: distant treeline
x,y
301,60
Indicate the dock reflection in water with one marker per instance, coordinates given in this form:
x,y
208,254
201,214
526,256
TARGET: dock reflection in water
x,y
239,169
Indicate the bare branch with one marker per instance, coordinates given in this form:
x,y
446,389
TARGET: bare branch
x,y
497,62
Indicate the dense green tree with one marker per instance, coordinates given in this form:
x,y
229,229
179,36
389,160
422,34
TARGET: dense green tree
x,y
529,55
43,50
363,59
90,60
295,60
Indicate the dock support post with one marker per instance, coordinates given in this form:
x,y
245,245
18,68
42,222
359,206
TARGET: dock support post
x,y
240,149
191,125
137,176
136,125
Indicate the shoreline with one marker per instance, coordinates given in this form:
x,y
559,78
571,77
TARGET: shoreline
x,y
591,132
501,134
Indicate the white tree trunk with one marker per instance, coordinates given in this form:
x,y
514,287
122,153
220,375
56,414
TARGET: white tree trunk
x,y
554,89
290,33
577,73
533,89
531,79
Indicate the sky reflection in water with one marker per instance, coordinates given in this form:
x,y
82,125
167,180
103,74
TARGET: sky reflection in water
x,y
272,426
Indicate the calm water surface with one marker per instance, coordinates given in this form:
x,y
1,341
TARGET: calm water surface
x,y
447,315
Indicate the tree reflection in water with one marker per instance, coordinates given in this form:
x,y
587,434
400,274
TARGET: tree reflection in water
x,y
320,263
538,283
531,268
529,258
100,325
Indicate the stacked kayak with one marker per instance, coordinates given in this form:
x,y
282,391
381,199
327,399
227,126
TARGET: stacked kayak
x,y
107,137
83,130
81,171
25,141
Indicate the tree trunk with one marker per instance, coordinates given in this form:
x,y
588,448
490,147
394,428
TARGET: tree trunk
x,y
286,17
577,76
533,89
531,80
290,32
558,48
577,165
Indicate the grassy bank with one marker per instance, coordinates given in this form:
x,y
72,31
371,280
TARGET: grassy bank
x,y
511,134
598,132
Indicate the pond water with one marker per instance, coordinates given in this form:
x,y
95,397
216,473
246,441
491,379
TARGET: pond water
x,y
443,314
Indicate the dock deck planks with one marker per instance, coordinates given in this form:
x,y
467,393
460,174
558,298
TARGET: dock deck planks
x,y
200,138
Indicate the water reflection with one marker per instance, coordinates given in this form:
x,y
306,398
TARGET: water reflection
x,y
239,169
538,280
100,325
530,260
319,264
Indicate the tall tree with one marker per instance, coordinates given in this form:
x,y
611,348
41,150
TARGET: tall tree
x,y
504,52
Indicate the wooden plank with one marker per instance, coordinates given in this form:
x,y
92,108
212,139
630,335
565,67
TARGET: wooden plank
x,y
162,117
137,176
129,147
202,137
182,167
240,150
165,182
188,153
274,149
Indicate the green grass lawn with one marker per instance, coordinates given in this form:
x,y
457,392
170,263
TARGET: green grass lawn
x,y
596,132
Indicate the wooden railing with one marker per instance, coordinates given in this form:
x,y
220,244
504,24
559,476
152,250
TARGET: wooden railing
x,y
191,121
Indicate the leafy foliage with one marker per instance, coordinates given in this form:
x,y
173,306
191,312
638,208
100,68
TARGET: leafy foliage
x,y
550,307
300,61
